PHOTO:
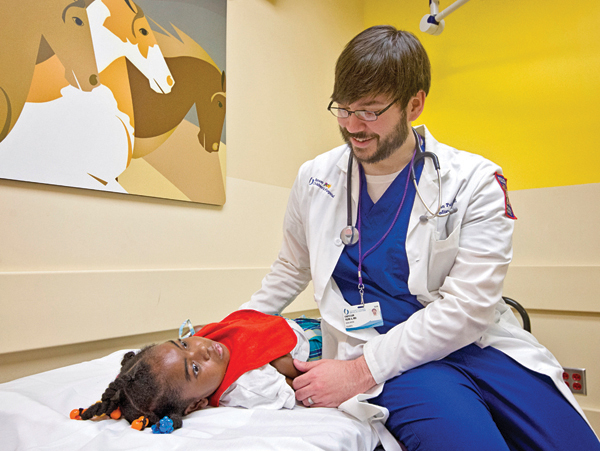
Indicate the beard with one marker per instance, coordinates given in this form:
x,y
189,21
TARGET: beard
x,y
386,147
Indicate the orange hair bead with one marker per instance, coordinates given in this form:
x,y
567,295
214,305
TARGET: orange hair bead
x,y
140,424
76,414
116,414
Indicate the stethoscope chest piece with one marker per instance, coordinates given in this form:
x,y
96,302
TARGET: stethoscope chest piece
x,y
349,235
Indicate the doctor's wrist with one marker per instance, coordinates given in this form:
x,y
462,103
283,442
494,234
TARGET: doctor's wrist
x,y
365,379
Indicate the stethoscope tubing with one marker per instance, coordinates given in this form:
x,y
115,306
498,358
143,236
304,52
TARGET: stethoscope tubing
x,y
349,234
436,164
349,185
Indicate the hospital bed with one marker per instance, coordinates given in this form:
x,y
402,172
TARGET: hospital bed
x,y
34,414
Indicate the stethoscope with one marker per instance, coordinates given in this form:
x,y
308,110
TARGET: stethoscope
x,y
349,234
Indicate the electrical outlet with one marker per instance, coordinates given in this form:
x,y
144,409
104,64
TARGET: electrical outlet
x,y
575,380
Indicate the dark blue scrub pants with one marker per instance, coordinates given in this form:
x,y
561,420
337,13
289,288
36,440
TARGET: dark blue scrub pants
x,y
481,400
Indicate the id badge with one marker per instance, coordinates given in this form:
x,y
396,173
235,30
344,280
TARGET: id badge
x,y
364,316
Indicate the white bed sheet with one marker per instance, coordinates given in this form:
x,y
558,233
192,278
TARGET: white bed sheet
x,y
34,414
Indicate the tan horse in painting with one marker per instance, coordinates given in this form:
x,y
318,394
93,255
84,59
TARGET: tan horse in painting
x,y
199,83
31,31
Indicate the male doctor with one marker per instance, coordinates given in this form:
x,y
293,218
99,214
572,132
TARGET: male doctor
x,y
444,353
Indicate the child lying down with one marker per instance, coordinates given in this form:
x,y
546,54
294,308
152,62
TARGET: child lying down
x,y
244,360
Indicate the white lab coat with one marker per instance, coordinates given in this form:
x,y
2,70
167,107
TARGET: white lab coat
x,y
457,266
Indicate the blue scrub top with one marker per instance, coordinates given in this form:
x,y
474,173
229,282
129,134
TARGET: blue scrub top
x,y
385,270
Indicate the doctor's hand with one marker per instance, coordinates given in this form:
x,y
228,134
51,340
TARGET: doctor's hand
x,y
328,383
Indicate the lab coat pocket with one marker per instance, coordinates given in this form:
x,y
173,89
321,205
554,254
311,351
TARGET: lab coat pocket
x,y
441,258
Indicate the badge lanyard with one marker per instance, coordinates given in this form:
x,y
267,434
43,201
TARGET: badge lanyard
x,y
361,257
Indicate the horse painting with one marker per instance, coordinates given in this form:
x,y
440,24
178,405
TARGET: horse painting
x,y
52,27
125,93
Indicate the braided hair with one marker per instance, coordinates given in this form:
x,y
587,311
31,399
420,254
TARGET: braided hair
x,y
139,392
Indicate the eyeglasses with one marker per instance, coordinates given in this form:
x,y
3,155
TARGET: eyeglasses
x,y
363,115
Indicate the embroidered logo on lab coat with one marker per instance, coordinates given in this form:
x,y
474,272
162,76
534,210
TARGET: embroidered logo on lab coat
x,y
321,185
508,208
448,208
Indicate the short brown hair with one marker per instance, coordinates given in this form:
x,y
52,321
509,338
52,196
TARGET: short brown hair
x,y
382,60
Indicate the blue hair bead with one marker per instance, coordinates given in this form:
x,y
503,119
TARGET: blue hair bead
x,y
164,426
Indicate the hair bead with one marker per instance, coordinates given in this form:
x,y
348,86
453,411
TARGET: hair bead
x,y
164,426
76,414
140,424
116,414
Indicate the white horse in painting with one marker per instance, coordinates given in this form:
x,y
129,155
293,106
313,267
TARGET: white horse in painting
x,y
120,29
85,139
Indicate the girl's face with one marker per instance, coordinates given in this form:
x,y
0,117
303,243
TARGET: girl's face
x,y
196,365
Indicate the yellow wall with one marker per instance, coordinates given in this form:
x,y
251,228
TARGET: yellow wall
x,y
517,82
514,81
